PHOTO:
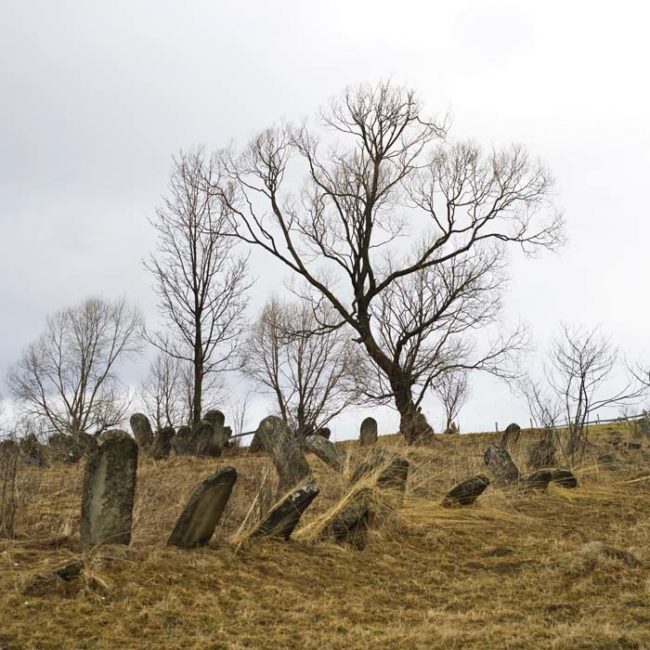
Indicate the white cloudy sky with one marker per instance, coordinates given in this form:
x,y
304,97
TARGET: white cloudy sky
x,y
96,96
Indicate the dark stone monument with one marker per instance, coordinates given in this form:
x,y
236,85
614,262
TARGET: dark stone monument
x,y
466,492
201,515
368,432
284,517
162,443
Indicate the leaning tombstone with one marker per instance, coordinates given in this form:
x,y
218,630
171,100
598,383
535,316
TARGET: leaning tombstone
x,y
368,432
540,479
395,475
501,465
327,451
141,428
564,477
183,442
466,492
162,443
510,435
109,490
284,517
62,447
203,511
351,524
284,448
256,445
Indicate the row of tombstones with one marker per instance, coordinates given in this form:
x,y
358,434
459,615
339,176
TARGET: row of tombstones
x,y
110,479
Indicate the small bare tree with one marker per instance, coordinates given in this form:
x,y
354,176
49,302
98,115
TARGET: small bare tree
x,y
578,374
452,389
312,375
167,391
67,377
200,282
385,178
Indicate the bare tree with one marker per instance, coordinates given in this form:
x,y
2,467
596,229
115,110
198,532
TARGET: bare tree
x,y
312,376
580,367
200,283
452,389
167,391
67,377
385,178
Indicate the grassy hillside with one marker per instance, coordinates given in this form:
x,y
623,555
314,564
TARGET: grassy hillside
x,y
513,571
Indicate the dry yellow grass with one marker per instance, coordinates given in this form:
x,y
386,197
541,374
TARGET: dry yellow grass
x,y
512,571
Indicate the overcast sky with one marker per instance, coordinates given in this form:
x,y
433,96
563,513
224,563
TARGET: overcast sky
x,y
96,96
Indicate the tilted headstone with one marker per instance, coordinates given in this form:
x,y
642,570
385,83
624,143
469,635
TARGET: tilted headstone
x,y
284,517
466,492
395,475
109,491
351,524
284,448
203,511
501,465
183,442
162,443
327,451
142,431
368,432
510,435
256,445
540,479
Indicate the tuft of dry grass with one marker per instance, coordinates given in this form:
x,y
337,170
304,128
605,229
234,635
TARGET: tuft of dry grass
x,y
557,569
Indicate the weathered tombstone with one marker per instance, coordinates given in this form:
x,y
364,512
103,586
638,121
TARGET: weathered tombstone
x,y
284,448
324,432
183,442
32,450
162,443
283,519
564,476
501,465
541,453
141,428
209,439
368,432
466,492
201,515
510,435
395,475
215,417
351,524
327,451
540,479
256,445
61,448
109,490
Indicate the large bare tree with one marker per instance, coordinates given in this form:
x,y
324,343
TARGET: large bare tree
x,y
313,375
388,207
200,282
67,377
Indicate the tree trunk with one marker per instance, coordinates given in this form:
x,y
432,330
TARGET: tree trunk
x,y
198,380
413,424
